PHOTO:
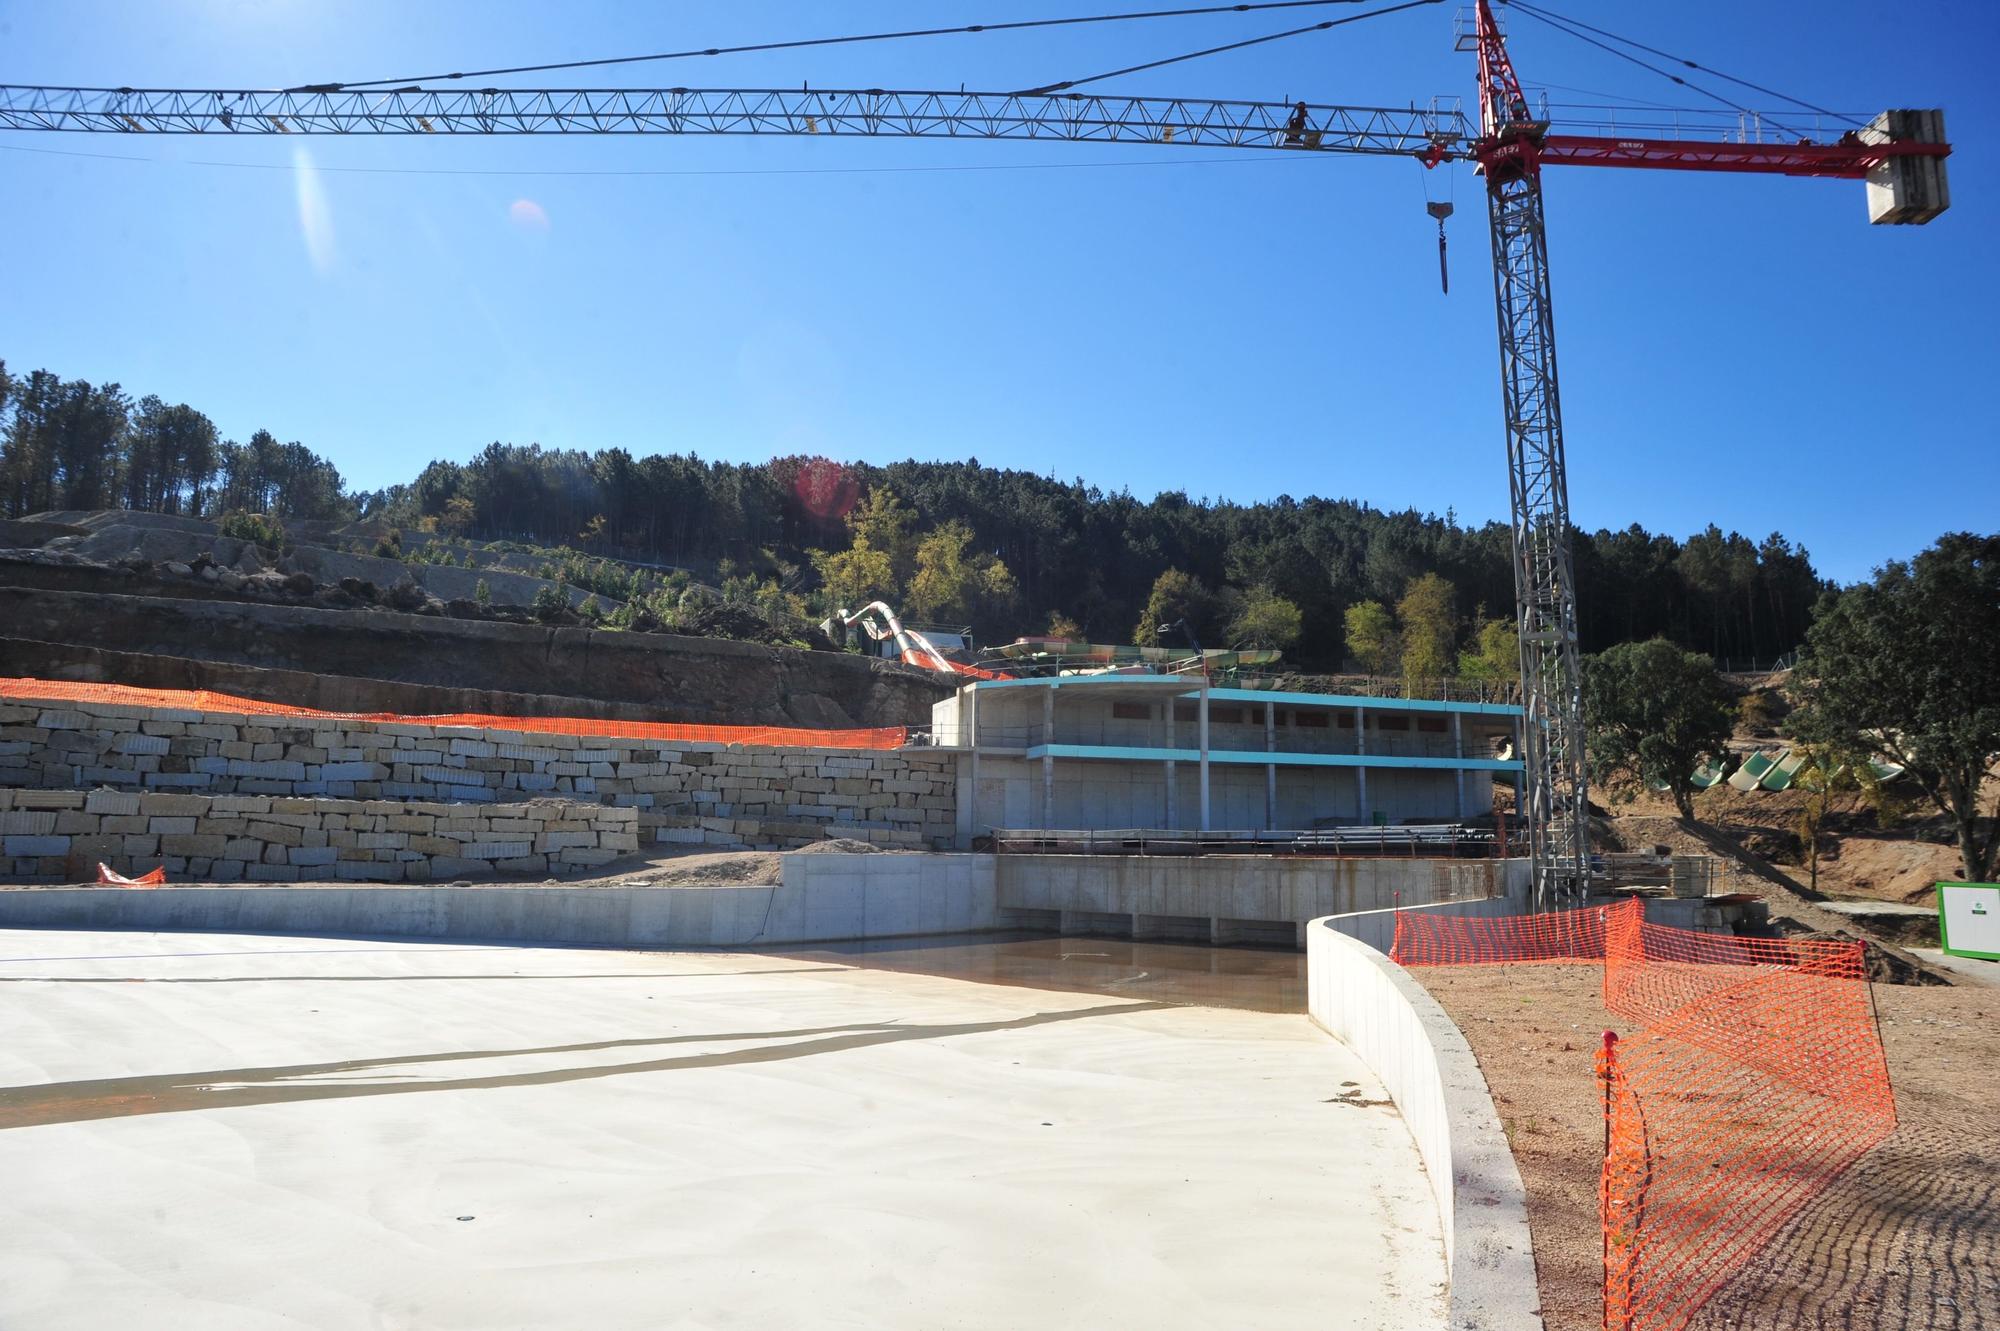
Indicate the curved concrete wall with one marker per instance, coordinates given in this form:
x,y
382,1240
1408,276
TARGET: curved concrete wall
x,y
1373,1006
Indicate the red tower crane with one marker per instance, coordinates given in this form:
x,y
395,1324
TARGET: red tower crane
x,y
1900,154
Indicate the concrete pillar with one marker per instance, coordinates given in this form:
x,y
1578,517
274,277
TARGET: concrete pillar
x,y
1458,751
1270,769
1173,777
1048,760
968,807
1201,724
1361,773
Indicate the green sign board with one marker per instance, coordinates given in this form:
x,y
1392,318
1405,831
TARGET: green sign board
x,y
1969,919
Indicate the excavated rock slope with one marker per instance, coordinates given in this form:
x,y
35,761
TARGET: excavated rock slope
x,y
164,615
705,680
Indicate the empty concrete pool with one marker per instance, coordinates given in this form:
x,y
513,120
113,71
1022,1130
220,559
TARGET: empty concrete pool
x,y
241,1132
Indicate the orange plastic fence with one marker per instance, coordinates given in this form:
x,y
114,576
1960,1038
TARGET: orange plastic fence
x,y
1757,1080
202,700
1424,939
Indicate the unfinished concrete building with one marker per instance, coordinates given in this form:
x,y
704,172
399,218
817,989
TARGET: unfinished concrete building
x,y
1164,752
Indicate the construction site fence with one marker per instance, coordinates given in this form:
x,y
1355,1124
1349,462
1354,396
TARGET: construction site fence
x,y
1755,1079
203,700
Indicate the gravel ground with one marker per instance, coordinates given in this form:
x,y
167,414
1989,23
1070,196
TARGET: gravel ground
x,y
1907,1239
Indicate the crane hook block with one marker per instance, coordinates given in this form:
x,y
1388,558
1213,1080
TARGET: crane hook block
x,y
1441,211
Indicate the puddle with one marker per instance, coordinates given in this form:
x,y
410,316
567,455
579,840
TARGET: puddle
x,y
1186,974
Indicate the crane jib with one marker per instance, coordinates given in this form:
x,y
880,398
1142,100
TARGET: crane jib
x,y
875,112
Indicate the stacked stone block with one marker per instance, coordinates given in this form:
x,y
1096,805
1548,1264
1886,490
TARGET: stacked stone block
x,y
62,835
685,793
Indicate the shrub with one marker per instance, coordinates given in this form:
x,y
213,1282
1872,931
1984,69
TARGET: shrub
x,y
549,602
260,529
482,593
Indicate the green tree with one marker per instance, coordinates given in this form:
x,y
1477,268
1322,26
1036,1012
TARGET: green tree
x,y
1822,779
1430,629
953,579
1176,596
1062,626
1372,639
1654,712
1495,656
549,602
854,576
884,523
1908,666
260,529
482,593
458,516
1265,619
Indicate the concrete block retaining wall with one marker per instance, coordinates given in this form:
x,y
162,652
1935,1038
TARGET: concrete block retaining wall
x,y
62,835
1375,1008
686,793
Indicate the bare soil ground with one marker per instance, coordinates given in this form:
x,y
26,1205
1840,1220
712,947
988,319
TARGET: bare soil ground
x,y
1907,1239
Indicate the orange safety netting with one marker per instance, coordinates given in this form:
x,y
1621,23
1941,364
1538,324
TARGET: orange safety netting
x,y
202,700
1758,1078
1439,940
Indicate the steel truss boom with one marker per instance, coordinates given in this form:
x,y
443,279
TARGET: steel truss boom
x,y
1075,117
1553,788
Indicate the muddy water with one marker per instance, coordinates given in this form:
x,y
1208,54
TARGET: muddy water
x,y
1190,975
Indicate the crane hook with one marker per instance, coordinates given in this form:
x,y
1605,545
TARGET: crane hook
x,y
1441,211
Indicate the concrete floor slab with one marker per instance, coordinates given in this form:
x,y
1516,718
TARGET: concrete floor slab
x,y
245,1132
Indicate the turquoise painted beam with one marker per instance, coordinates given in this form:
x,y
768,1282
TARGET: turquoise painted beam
x,y
1259,758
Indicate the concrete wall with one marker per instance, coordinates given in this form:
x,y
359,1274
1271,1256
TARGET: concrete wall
x,y
1373,1006
824,897
62,835
1225,894
693,794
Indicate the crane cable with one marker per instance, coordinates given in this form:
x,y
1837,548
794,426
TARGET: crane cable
x,y
970,28
1579,30
1217,50
1545,15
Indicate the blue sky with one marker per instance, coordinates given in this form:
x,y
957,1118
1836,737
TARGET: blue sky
x,y
1733,349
